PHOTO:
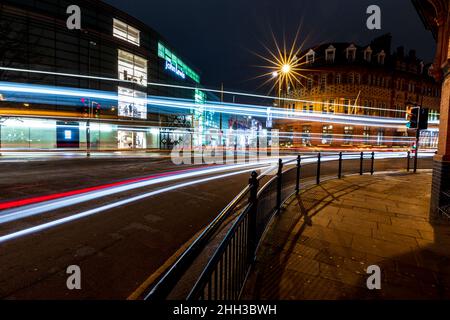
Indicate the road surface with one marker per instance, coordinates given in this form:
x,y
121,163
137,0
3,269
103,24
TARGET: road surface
x,y
118,219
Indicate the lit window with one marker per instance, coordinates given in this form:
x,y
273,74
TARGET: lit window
x,y
132,103
306,135
338,78
309,83
348,134
327,134
331,106
125,32
366,135
132,68
323,81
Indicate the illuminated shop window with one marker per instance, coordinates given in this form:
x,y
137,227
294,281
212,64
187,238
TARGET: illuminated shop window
x,y
331,106
306,135
348,134
327,134
131,139
132,68
380,136
366,135
131,103
175,65
125,32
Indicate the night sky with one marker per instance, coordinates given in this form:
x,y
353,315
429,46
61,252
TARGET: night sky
x,y
220,36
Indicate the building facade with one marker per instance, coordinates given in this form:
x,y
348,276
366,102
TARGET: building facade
x,y
345,78
435,15
111,44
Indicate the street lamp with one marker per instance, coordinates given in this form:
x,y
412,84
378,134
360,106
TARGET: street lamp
x,y
286,68
88,123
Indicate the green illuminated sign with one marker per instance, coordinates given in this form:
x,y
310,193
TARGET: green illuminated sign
x,y
175,65
199,96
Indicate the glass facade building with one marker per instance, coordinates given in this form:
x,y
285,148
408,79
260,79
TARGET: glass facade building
x,y
110,45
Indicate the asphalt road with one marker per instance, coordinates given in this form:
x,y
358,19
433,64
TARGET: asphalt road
x,y
120,247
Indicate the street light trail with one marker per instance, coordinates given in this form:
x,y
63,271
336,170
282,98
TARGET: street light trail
x,y
228,108
157,84
39,205
74,217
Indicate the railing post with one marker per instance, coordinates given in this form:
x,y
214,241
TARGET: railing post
x,y
361,164
318,168
408,154
372,170
340,165
253,201
279,183
297,182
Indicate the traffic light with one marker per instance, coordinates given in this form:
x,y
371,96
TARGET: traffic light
x,y
423,118
85,108
412,116
417,118
96,109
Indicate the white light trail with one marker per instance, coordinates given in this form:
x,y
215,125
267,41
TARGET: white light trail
x,y
77,216
241,109
251,95
74,217
39,208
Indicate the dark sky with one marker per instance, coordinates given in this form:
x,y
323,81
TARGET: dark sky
x,y
218,36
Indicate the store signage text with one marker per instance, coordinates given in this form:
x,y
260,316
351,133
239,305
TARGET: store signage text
x,y
174,69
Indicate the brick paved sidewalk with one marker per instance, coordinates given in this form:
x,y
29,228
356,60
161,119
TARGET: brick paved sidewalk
x,y
321,245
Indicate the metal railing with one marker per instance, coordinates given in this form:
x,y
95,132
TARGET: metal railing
x,y
225,273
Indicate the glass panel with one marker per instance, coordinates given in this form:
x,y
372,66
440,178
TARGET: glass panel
x,y
125,32
131,103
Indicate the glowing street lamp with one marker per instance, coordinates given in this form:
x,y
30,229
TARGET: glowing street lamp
x,y
286,68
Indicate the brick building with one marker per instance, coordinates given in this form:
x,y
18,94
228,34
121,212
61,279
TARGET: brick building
x,y
435,15
345,78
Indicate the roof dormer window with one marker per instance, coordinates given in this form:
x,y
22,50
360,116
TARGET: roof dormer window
x,y
310,56
368,54
330,54
351,53
381,57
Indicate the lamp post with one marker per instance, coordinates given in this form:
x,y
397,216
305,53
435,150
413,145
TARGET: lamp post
x,y
88,122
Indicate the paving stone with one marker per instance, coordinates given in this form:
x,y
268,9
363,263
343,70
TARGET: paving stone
x,y
367,221
394,237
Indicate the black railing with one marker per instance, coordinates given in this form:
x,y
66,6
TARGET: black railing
x,y
224,275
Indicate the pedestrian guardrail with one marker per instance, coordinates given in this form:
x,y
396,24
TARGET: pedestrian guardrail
x,y
224,275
